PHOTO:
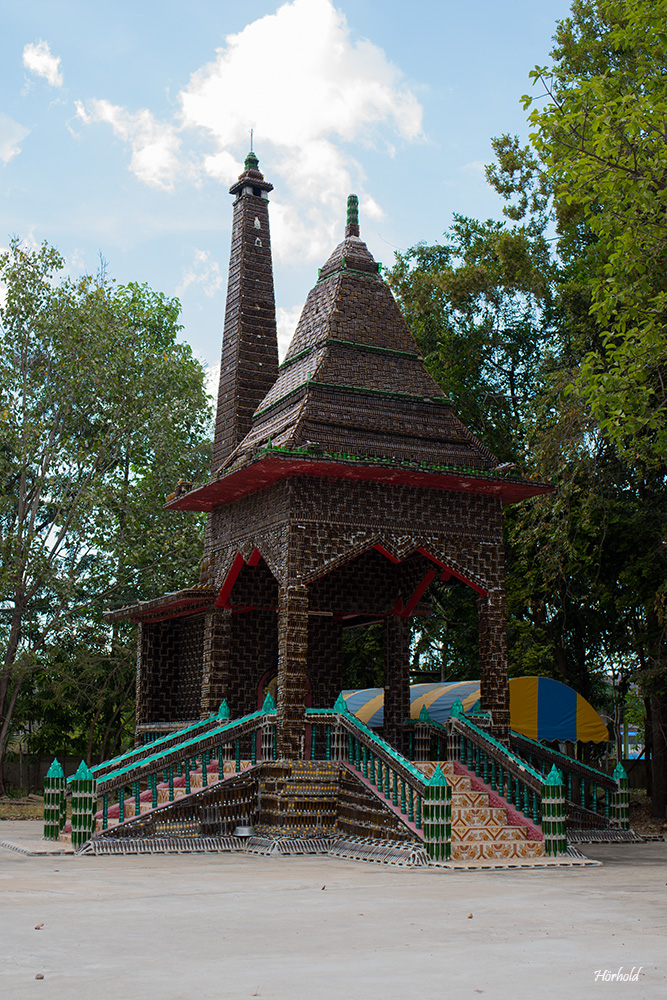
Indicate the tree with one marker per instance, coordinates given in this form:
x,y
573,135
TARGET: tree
x,y
600,142
601,139
99,404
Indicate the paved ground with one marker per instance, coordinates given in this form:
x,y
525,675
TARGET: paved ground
x,y
212,927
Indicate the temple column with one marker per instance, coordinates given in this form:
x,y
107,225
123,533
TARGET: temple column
x,y
292,665
494,678
396,679
216,660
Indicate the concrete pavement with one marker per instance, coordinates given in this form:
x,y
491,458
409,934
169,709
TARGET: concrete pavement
x,y
212,927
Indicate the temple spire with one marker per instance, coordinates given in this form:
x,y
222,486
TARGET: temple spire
x,y
249,363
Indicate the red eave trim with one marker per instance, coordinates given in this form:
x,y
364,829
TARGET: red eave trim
x,y
271,468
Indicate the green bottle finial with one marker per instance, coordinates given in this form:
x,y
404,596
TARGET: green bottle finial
x,y
619,772
438,777
269,704
55,770
223,711
352,227
251,162
424,714
340,705
456,711
554,777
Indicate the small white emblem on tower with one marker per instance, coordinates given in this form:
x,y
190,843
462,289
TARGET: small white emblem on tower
x,y
258,242
258,224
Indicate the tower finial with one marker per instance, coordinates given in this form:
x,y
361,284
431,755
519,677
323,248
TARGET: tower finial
x,y
252,132
352,227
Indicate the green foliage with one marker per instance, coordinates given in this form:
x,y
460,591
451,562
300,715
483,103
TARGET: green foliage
x,y
363,657
101,408
601,138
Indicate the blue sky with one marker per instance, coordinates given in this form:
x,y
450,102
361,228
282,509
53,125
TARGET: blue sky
x,y
123,125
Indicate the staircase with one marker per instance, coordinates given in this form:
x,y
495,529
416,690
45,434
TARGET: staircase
x,y
484,826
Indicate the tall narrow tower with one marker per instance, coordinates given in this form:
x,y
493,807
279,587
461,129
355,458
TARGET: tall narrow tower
x,y
249,363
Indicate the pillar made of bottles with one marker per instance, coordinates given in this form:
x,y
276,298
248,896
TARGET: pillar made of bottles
x,y
54,801
553,814
84,797
437,817
620,801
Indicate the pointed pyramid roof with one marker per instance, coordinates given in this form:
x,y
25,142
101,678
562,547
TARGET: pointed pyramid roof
x,y
353,380
353,399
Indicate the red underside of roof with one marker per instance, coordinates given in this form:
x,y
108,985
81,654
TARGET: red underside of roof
x,y
162,609
270,468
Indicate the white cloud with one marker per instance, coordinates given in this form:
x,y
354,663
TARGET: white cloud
x,y
37,57
203,271
286,321
155,145
305,87
309,90
212,381
11,135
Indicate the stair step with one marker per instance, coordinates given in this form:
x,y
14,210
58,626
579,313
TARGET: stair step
x,y
497,850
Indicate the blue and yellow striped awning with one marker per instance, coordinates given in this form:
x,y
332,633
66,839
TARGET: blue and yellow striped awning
x,y
540,707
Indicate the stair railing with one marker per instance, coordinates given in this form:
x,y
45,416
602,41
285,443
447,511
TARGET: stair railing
x,y
251,738
424,803
170,739
505,772
594,799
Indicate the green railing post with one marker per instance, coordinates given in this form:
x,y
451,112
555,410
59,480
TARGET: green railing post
x,y
187,777
54,798
154,791
105,812
553,814
84,791
372,775
418,812
136,788
620,802
313,740
237,755
121,805
394,796
170,771
438,817
411,804
403,799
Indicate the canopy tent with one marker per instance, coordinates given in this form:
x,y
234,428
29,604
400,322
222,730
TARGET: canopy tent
x,y
540,707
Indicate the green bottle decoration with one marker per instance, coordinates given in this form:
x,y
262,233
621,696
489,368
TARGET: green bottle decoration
x,y
437,817
553,814
269,705
84,796
54,801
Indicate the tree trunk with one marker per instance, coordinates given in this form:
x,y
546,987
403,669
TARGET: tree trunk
x,y
659,755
